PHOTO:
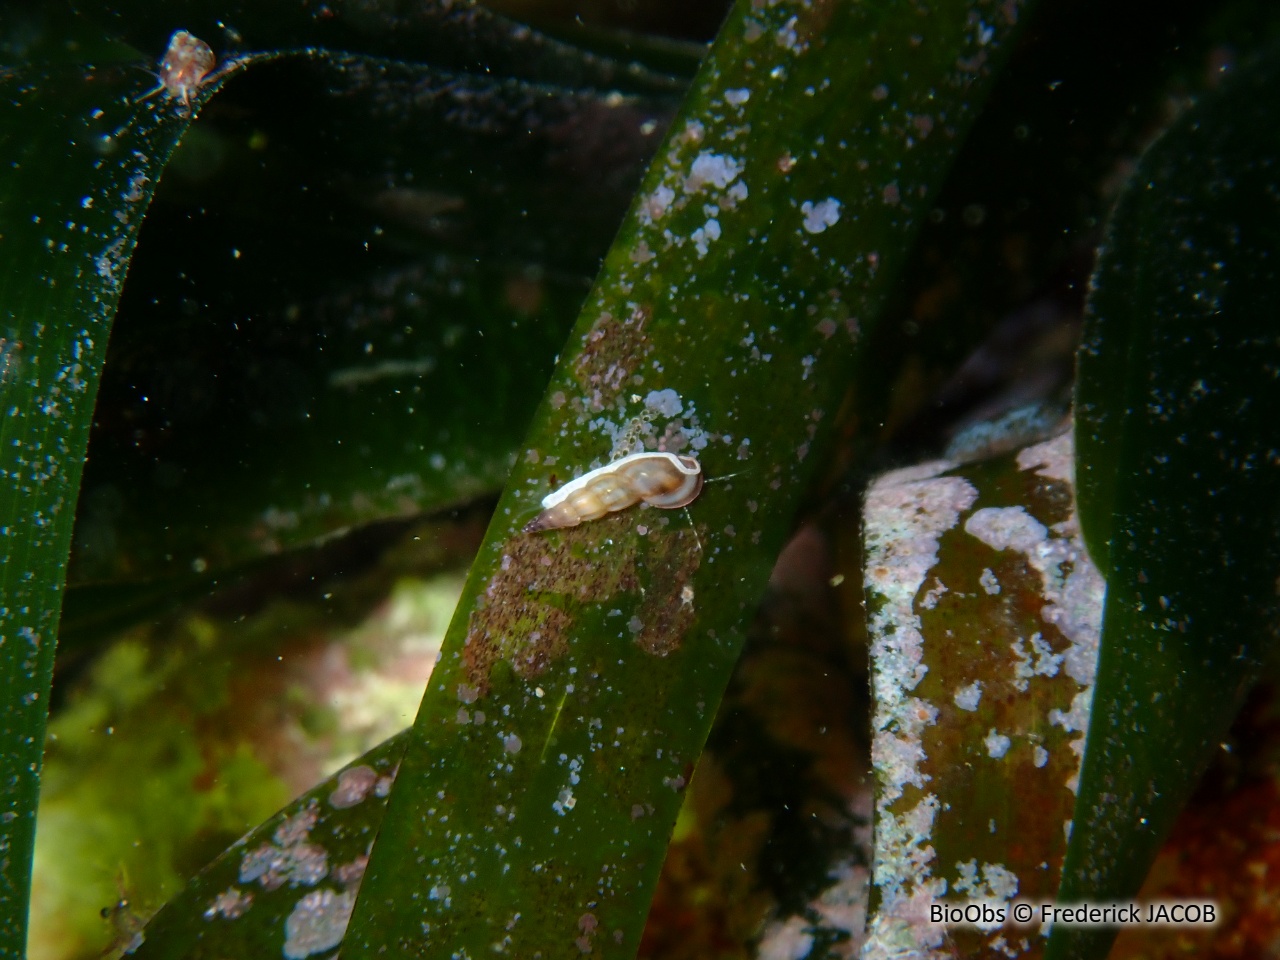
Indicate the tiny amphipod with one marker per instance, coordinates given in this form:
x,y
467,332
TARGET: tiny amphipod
x,y
184,68
659,479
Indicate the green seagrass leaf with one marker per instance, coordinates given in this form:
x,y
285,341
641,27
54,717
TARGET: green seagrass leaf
x,y
1179,447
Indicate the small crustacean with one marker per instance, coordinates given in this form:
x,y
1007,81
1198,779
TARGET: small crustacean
x,y
126,921
659,479
184,68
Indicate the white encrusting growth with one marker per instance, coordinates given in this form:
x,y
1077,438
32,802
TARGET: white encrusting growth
x,y
789,39
354,785
991,883
908,516
627,434
818,216
988,582
1054,459
997,744
705,235
714,169
968,698
317,923
1006,528
291,857
1072,587
1041,662
665,402
785,940
231,904
659,202
905,516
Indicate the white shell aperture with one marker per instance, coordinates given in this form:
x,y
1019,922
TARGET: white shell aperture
x,y
664,480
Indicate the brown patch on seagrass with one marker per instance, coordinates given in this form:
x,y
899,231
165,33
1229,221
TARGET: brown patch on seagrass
x,y
611,350
525,613
543,626
522,615
813,22
667,611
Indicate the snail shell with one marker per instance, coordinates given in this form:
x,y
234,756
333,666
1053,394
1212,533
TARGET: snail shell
x,y
659,479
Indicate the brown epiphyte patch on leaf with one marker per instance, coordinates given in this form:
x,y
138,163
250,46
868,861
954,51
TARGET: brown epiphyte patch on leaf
x,y
515,619
524,615
814,23
611,350
521,617
668,608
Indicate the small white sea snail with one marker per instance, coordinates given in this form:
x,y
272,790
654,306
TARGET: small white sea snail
x,y
664,480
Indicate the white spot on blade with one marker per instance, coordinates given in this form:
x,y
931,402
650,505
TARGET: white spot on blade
x,y
968,698
818,216
997,744
317,923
